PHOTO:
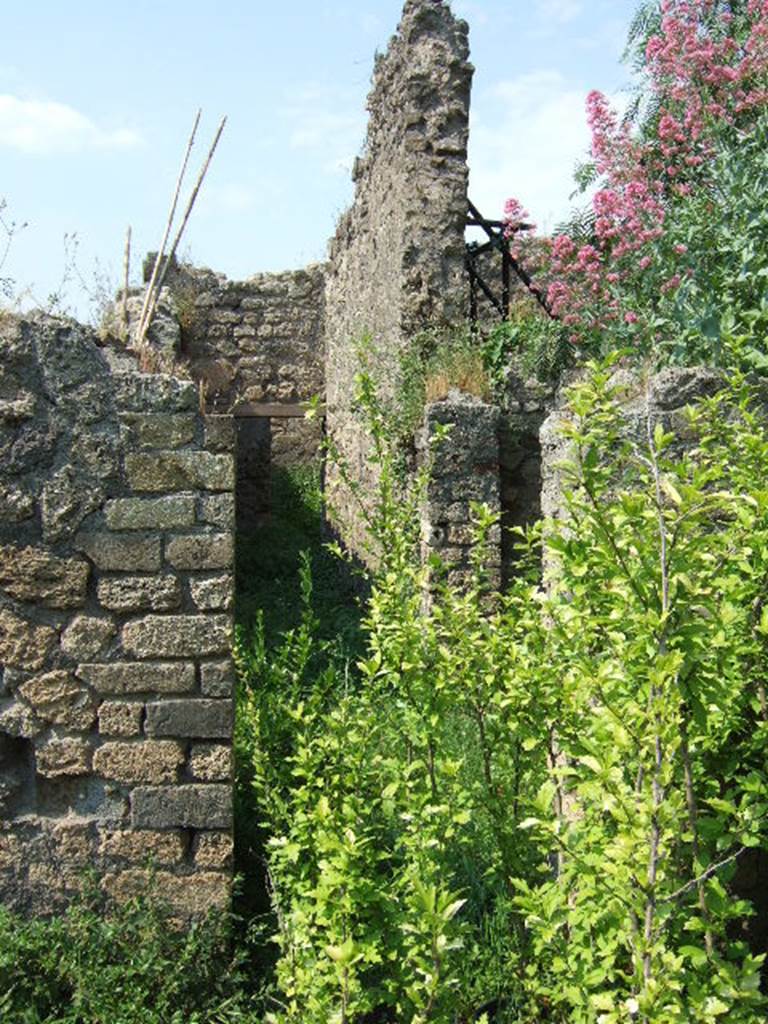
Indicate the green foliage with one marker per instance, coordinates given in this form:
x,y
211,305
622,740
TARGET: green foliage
x,y
720,312
532,805
435,362
530,343
105,965
650,679
390,789
269,556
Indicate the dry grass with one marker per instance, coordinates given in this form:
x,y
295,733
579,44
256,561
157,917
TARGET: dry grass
x,y
457,369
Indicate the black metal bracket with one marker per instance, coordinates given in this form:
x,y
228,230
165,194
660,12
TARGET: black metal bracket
x,y
498,239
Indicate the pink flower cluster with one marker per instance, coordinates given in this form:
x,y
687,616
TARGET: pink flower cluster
x,y
704,77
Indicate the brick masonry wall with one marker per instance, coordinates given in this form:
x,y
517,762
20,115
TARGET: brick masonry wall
x,y
116,589
397,259
465,469
258,340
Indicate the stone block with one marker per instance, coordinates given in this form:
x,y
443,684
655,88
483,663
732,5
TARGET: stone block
x,y
210,762
32,574
120,718
200,551
161,848
217,678
190,806
67,498
57,697
16,505
219,433
187,896
159,393
73,843
218,510
158,429
213,850
67,757
148,761
140,593
178,636
122,677
127,553
87,636
213,594
164,513
23,644
180,471
17,720
203,719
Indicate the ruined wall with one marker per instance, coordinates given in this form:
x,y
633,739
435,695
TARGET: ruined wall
x,y
526,405
258,340
115,626
397,259
465,469
660,398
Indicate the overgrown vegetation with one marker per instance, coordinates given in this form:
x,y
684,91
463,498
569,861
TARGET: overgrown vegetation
x,y
670,258
537,806
100,964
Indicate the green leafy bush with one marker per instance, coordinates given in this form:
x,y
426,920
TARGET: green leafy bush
x,y
100,964
533,803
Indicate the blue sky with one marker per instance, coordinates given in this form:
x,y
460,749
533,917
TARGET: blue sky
x,y
96,101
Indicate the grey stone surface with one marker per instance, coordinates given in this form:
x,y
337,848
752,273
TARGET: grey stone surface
x,y
23,644
217,510
200,551
214,593
121,677
58,698
465,470
178,636
120,718
143,761
180,471
217,678
397,260
139,553
63,758
80,554
210,762
200,719
150,513
190,806
88,636
158,429
140,593
36,575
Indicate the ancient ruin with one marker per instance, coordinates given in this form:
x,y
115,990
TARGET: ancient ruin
x,y
119,490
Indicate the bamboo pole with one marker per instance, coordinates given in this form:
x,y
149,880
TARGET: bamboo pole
x,y
143,318
126,277
191,202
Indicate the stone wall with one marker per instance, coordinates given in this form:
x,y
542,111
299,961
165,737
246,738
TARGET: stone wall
x,y
465,470
116,590
659,398
257,342
397,259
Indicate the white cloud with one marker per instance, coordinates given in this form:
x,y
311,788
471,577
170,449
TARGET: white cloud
x,y
231,196
323,119
559,10
530,148
44,128
471,12
316,128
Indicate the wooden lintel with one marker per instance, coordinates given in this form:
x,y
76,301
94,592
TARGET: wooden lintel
x,y
274,410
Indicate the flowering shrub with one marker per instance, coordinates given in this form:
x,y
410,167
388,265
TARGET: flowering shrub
x,y
672,185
